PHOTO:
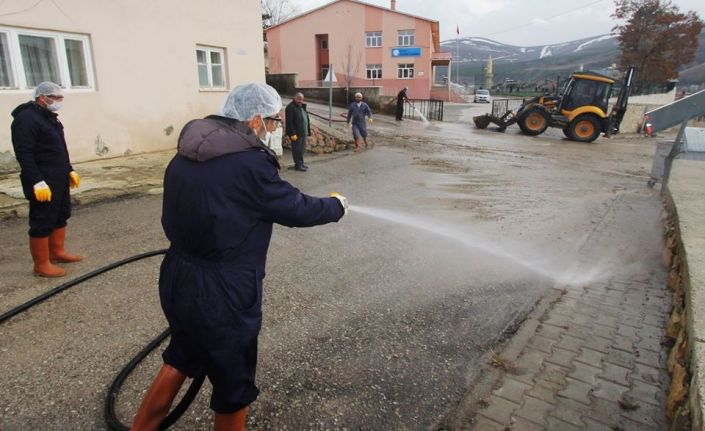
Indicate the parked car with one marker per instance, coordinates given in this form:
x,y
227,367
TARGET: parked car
x,y
482,96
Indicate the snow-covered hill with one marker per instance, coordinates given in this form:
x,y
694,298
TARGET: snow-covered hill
x,y
478,49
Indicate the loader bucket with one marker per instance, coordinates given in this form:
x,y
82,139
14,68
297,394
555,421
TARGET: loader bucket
x,y
482,121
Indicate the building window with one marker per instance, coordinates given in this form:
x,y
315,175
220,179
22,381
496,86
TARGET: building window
x,y
374,71
405,37
405,71
211,68
373,39
28,57
7,79
324,43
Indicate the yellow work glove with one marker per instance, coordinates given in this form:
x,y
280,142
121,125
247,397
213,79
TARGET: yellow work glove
x,y
42,192
74,180
343,201
294,138
369,120
349,124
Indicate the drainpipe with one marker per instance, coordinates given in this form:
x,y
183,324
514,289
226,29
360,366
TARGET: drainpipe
x,y
394,5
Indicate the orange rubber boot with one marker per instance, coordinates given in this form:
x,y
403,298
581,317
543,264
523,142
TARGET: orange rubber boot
x,y
57,253
39,247
157,401
231,421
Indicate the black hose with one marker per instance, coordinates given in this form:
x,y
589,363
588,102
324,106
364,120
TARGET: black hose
x,y
109,411
110,418
48,294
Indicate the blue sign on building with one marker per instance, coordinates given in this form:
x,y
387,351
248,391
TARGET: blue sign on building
x,y
406,52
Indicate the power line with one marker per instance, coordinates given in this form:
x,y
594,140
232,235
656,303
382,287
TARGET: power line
x,y
547,18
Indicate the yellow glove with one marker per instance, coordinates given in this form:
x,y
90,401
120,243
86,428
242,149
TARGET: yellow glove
x,y
349,124
42,192
343,201
74,180
294,138
369,120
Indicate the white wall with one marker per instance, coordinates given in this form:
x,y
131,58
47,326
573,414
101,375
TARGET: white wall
x,y
144,59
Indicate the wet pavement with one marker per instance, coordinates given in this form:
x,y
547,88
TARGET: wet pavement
x,y
369,323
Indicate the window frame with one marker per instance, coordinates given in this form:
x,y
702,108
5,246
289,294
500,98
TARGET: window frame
x,y
374,71
405,69
372,37
16,68
406,37
209,50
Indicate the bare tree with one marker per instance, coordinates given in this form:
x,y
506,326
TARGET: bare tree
x,y
277,11
351,62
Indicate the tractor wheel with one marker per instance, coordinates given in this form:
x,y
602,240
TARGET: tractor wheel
x,y
534,121
585,128
566,132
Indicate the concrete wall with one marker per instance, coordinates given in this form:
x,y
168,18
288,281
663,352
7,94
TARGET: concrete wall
x,y
284,83
292,46
144,62
634,117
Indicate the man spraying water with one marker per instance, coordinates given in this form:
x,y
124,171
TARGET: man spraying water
x,y
222,193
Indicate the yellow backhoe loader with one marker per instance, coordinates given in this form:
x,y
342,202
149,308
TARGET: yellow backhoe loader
x,y
581,111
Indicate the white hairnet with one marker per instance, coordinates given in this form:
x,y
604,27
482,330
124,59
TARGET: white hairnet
x,y
247,100
358,94
47,88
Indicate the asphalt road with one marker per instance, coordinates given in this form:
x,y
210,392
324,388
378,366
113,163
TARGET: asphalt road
x,y
371,323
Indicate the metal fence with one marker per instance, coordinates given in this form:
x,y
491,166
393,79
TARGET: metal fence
x,y
429,108
502,106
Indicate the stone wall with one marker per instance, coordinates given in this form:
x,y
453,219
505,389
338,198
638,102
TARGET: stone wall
x,y
685,256
324,139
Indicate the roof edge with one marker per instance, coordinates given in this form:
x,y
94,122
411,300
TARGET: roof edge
x,y
351,1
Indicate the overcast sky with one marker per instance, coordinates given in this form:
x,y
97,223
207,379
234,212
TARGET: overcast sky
x,y
515,22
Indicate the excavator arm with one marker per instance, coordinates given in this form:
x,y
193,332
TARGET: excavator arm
x,y
620,107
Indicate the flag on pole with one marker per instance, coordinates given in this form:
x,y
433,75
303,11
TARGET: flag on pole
x,y
457,29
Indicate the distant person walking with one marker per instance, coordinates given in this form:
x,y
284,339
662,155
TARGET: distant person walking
x,y
46,175
357,112
298,128
401,97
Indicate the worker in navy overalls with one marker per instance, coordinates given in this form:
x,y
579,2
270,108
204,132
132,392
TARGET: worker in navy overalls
x,y
222,194
46,175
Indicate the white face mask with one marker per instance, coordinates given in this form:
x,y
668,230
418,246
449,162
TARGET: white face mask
x,y
55,106
267,133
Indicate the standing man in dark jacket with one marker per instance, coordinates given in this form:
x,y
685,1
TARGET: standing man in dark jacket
x,y
401,97
298,128
46,176
222,193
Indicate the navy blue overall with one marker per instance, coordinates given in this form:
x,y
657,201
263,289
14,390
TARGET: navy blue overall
x,y
222,193
40,149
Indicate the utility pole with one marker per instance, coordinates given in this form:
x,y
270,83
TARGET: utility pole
x,y
330,94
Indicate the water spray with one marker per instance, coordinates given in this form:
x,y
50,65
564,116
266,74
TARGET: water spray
x,y
566,277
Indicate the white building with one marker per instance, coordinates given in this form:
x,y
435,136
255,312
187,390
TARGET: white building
x,y
133,71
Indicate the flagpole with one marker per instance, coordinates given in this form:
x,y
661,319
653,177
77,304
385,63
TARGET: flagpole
x,y
457,45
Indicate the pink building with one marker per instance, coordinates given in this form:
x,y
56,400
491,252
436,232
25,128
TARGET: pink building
x,y
373,45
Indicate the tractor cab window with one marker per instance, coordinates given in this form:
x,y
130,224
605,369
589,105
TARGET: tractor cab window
x,y
581,92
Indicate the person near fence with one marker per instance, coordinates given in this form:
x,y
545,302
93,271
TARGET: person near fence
x,y
357,112
46,175
298,128
222,194
401,98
